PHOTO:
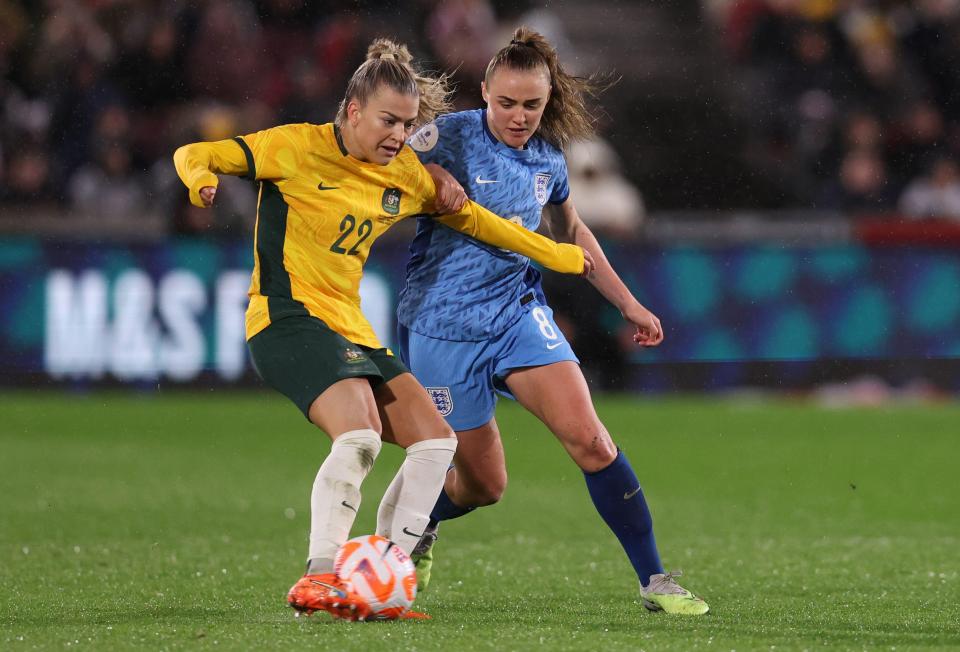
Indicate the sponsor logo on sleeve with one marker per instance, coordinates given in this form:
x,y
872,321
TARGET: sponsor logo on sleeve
x,y
426,138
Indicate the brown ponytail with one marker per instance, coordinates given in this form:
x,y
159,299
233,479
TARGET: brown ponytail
x,y
390,64
566,116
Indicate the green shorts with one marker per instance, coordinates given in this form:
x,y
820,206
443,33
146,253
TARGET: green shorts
x,y
300,357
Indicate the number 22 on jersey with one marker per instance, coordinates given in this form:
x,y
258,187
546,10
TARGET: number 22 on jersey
x,y
347,226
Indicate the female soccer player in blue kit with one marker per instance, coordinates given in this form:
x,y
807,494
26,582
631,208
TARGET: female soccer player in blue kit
x,y
474,321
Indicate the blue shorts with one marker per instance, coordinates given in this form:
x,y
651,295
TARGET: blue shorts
x,y
463,378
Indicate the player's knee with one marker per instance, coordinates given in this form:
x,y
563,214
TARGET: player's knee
x,y
431,424
485,492
442,432
489,494
362,445
335,424
593,450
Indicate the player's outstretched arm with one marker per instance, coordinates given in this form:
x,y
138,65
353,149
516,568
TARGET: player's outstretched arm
x,y
199,163
567,226
476,221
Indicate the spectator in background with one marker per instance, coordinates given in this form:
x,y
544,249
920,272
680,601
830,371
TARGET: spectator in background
x,y
310,98
228,39
812,85
107,187
25,176
69,62
930,35
916,132
462,34
152,73
885,79
936,193
69,33
863,130
151,77
859,129
13,29
862,185
609,204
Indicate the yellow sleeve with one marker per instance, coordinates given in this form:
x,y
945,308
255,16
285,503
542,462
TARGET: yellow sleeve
x,y
477,222
274,153
199,163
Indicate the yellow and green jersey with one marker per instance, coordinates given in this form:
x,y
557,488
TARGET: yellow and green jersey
x,y
319,211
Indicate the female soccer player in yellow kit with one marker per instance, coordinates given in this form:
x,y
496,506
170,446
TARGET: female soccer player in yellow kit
x,y
326,193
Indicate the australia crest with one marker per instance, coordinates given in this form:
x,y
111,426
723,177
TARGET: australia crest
x,y
391,201
352,356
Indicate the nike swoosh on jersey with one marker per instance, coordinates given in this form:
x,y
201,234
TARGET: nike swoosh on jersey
x,y
479,180
320,186
553,346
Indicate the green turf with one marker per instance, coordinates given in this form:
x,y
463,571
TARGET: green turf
x,y
179,522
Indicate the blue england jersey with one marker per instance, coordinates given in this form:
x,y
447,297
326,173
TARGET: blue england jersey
x,y
459,288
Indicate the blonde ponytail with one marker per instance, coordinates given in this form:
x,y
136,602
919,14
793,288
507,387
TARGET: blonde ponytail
x,y
384,48
391,64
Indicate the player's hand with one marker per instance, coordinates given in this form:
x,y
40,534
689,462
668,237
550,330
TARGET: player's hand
x,y
588,264
207,193
649,332
450,194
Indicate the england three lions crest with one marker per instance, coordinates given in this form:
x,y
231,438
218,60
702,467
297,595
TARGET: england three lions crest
x,y
441,398
540,182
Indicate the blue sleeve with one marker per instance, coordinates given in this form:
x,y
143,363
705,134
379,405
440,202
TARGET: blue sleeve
x,y
561,185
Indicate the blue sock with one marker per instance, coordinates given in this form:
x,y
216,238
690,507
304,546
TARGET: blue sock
x,y
445,509
616,494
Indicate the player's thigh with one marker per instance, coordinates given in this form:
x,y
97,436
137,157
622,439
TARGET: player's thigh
x,y
480,463
558,395
344,406
407,413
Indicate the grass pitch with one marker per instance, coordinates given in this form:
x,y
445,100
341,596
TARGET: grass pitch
x,y
179,522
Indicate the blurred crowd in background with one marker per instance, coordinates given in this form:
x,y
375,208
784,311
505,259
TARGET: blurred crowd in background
x,y
842,105
856,104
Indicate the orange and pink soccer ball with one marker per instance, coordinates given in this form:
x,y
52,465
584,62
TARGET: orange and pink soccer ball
x,y
380,572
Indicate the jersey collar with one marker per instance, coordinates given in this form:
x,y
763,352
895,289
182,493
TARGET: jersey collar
x,y
339,137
